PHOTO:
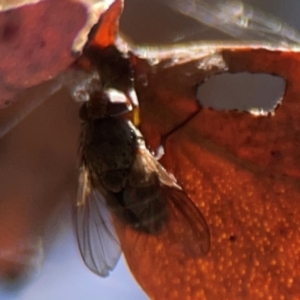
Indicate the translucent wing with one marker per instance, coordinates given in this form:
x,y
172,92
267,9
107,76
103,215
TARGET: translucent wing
x,y
185,228
237,19
97,240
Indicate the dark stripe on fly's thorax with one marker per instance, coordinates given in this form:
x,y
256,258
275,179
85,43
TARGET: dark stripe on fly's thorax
x,y
109,151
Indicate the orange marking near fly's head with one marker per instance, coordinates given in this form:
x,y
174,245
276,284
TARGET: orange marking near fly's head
x,y
108,26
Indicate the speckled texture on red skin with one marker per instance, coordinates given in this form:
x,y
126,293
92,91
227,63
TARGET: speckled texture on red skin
x,y
248,196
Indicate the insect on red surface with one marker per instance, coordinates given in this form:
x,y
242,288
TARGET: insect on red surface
x,y
118,171
236,173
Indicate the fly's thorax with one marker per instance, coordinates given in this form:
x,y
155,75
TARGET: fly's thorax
x,y
108,149
146,163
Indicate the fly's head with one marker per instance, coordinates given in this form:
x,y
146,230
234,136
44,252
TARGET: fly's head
x,y
95,108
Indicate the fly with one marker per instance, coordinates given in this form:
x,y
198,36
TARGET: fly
x,y
120,176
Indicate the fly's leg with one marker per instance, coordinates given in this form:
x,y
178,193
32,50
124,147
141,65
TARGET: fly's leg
x,y
160,151
135,110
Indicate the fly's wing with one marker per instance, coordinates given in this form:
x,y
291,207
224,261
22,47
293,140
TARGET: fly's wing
x,y
97,240
184,228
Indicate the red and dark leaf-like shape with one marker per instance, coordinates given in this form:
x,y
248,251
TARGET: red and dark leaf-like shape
x,y
106,32
241,170
36,43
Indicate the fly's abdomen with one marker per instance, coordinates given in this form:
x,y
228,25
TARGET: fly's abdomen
x,y
147,207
